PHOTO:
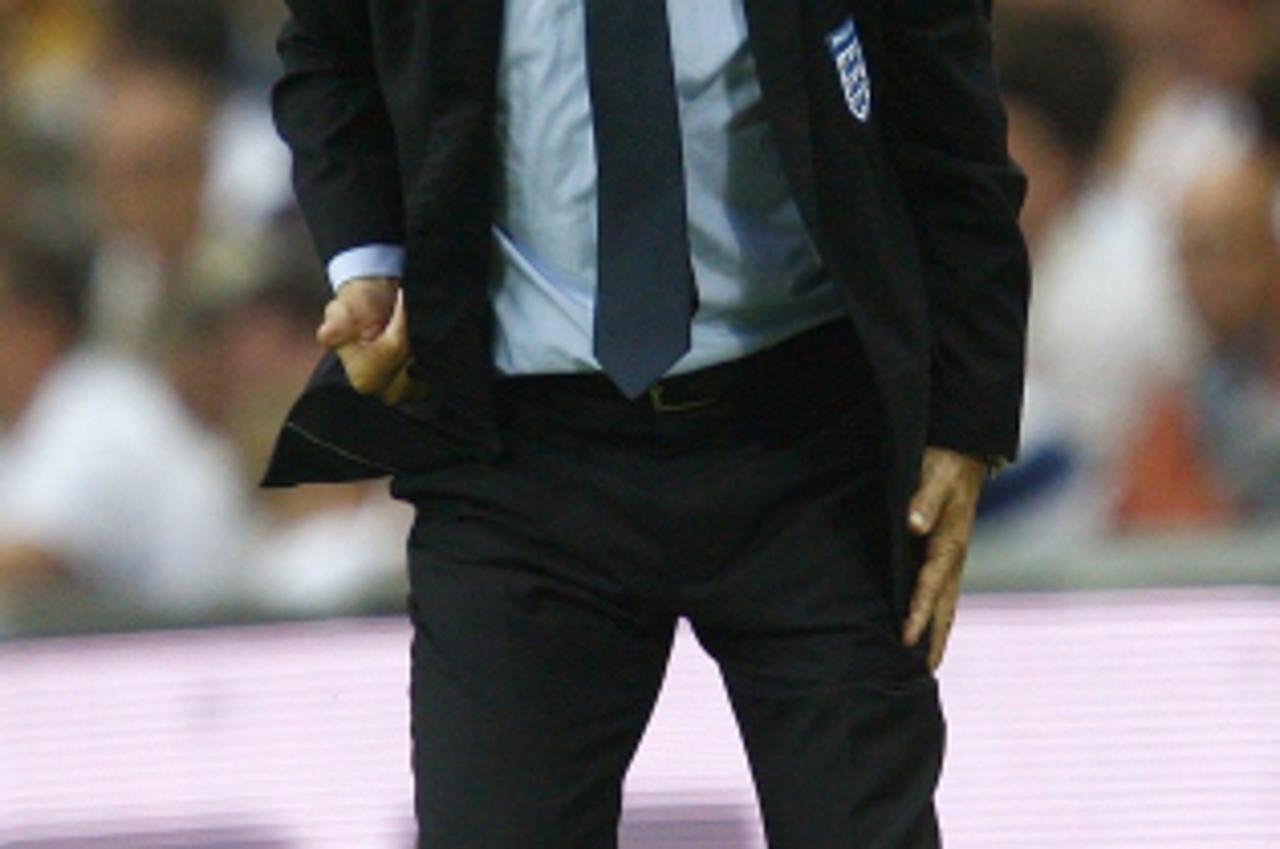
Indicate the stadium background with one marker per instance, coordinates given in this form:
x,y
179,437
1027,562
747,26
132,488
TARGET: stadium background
x,y
188,662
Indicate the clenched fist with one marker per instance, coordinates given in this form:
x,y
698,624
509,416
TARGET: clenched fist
x,y
365,326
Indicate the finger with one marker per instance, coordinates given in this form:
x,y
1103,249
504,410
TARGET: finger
x,y
338,327
929,586
944,616
373,302
397,388
368,369
927,504
390,349
945,560
402,387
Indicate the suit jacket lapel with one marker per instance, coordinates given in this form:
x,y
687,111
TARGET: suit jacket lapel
x,y
778,42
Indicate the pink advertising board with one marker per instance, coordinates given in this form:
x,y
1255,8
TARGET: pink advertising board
x,y
1092,721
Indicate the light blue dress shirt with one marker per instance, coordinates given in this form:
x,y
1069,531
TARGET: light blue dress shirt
x,y
758,276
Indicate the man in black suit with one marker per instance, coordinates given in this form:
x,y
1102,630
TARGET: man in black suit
x,y
713,310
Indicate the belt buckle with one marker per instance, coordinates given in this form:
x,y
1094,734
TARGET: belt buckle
x,y
661,404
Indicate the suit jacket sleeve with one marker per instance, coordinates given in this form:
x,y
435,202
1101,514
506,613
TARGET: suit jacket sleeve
x,y
330,110
947,136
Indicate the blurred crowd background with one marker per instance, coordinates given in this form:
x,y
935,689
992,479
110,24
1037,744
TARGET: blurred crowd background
x,y
158,299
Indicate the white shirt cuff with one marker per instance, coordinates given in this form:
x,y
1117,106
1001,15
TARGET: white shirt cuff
x,y
366,261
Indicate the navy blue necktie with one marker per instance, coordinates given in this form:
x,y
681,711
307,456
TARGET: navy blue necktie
x,y
645,296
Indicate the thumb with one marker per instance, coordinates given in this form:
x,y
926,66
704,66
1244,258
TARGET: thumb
x,y
392,343
398,327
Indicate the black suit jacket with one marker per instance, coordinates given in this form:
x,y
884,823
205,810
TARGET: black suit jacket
x,y
388,106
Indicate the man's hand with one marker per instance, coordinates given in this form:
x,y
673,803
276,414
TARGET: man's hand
x,y
365,326
942,511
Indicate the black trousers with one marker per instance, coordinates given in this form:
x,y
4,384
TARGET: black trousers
x,y
546,586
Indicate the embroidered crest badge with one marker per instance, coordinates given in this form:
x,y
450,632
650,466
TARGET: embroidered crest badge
x,y
851,66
